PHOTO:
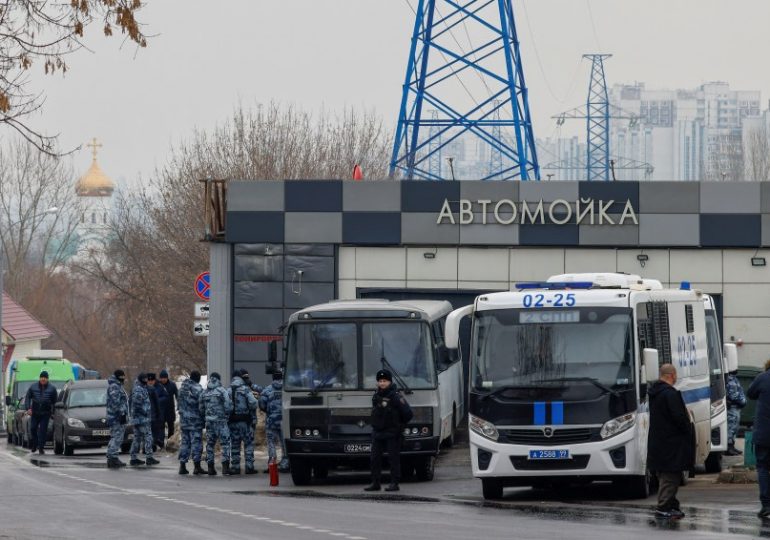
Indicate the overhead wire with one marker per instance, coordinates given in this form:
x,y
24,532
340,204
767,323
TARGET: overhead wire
x,y
593,25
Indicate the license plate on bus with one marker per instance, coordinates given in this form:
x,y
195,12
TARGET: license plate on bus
x,y
101,433
549,454
358,448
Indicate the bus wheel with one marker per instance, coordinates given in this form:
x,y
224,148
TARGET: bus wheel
x,y
492,488
635,487
320,471
714,463
301,471
425,467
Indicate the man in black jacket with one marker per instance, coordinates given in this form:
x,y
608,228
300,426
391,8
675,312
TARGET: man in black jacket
x,y
390,413
39,402
760,391
172,391
157,402
670,449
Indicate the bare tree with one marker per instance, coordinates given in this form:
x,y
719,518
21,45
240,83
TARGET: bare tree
x,y
41,32
35,242
156,251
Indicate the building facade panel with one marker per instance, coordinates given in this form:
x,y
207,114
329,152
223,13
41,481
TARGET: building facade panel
x,y
669,230
371,196
669,197
730,198
310,227
255,196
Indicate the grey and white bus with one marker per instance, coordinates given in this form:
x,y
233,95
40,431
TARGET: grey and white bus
x,y
559,375
333,352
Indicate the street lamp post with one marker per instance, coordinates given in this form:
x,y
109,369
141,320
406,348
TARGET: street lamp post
x,y
52,210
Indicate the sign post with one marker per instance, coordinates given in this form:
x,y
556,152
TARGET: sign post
x,y
203,290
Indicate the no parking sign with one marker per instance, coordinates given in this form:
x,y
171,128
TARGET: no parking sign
x,y
203,286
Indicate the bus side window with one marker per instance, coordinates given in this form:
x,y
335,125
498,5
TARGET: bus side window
x,y
443,361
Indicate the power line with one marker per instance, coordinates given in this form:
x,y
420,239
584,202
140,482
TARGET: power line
x,y
593,25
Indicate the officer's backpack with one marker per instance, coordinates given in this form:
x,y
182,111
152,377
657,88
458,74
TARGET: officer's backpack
x,y
241,412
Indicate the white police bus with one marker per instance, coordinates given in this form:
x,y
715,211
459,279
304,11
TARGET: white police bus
x,y
559,373
722,360
333,352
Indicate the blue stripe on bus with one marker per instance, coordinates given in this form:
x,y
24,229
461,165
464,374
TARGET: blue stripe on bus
x,y
698,394
539,419
557,413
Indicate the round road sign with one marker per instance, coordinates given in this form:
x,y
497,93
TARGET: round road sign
x,y
203,286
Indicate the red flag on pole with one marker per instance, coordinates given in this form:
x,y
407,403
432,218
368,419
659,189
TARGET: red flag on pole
x,y
358,173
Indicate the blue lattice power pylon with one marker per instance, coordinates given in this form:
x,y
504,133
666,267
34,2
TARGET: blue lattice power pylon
x,y
598,118
434,147
474,87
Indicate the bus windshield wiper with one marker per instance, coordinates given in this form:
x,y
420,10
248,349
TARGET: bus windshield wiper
x,y
326,380
498,391
400,380
603,387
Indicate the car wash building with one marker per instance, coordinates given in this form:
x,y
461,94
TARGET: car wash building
x,y
279,246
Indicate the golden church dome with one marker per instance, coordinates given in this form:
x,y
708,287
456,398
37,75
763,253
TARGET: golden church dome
x,y
95,183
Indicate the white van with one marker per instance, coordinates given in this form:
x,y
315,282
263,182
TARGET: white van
x,y
559,373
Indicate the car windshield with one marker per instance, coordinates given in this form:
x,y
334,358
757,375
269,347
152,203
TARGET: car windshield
x,y
322,356
406,348
547,348
88,397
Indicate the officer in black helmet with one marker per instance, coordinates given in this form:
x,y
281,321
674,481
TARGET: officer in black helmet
x,y
390,412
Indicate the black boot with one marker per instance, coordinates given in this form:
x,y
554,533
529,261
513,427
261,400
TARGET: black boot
x,y
234,471
152,461
198,470
393,487
119,463
183,468
212,470
226,468
250,470
111,463
374,486
136,462
732,451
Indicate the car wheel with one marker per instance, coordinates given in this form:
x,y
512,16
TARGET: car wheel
x,y
320,471
58,447
68,450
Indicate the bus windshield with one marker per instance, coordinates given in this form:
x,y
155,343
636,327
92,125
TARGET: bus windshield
x,y
546,348
348,355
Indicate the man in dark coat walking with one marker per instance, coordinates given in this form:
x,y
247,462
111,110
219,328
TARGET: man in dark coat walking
x,y
390,413
760,391
39,402
173,394
670,449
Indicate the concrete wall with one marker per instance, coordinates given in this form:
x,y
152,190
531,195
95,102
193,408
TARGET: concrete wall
x,y
745,289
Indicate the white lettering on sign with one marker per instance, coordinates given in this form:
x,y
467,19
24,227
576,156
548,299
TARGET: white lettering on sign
x,y
559,212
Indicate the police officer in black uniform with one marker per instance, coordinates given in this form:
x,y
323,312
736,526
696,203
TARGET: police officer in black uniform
x,y
390,412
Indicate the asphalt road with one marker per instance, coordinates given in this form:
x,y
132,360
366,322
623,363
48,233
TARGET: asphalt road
x,y
77,497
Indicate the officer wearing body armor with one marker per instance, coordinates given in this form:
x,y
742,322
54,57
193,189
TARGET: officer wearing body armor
x,y
270,401
256,391
141,419
240,424
117,417
191,423
215,407
736,400
390,413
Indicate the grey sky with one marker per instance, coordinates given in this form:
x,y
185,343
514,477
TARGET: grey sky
x,y
209,56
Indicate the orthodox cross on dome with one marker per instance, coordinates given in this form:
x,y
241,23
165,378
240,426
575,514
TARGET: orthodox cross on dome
x,y
94,145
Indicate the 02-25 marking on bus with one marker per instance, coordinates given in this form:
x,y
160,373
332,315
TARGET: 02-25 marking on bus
x,y
557,300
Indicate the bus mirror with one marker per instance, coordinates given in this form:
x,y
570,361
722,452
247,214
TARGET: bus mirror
x,y
7,401
651,367
731,357
452,327
272,352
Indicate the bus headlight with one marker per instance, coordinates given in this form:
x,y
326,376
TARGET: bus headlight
x,y
618,425
718,407
483,428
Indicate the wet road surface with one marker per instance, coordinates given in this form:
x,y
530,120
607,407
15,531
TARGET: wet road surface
x,y
77,497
